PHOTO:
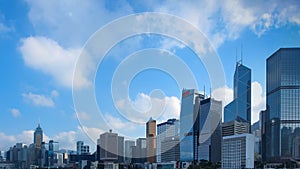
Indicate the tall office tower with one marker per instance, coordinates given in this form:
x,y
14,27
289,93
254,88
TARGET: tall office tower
x,y
210,131
82,149
120,149
234,128
139,152
168,129
151,140
189,124
128,150
282,119
108,143
238,151
38,137
240,108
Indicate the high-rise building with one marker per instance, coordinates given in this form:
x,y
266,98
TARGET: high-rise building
x,y
151,140
139,152
82,149
128,150
240,108
170,149
210,131
168,129
238,151
38,137
189,124
282,119
108,143
120,149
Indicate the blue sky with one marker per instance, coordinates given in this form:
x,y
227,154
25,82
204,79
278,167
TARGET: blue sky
x,y
40,42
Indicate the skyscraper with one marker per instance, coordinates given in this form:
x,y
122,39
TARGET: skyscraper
x,y
128,150
240,108
139,152
282,119
189,124
120,149
170,130
108,143
38,137
210,131
151,140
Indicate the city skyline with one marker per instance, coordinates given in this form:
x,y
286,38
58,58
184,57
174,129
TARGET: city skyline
x,y
40,42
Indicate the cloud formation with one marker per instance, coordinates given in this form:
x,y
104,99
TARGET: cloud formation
x,y
15,112
41,100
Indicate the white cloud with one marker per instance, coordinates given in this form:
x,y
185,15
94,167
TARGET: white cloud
x,y
118,124
38,100
144,106
258,100
73,22
15,112
48,56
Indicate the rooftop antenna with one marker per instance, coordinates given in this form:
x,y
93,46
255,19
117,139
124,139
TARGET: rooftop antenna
x,y
204,91
236,59
241,53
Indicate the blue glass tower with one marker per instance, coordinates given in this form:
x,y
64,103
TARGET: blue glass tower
x,y
210,135
281,122
189,124
240,108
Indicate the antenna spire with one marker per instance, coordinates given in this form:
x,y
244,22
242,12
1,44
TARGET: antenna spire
x,y
241,53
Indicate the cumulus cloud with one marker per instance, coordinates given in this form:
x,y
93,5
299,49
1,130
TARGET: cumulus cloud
x,y
38,99
144,106
258,100
15,112
48,56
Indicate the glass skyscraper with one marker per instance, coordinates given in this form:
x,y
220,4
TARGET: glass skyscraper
x,y
189,124
210,131
240,108
282,118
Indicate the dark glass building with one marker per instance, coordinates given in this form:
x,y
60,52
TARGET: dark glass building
x,y
281,122
210,135
240,108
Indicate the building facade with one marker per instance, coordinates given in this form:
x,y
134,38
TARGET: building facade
x,y
170,128
210,131
139,152
38,137
189,124
108,143
240,107
128,150
234,128
238,151
81,148
282,118
151,140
